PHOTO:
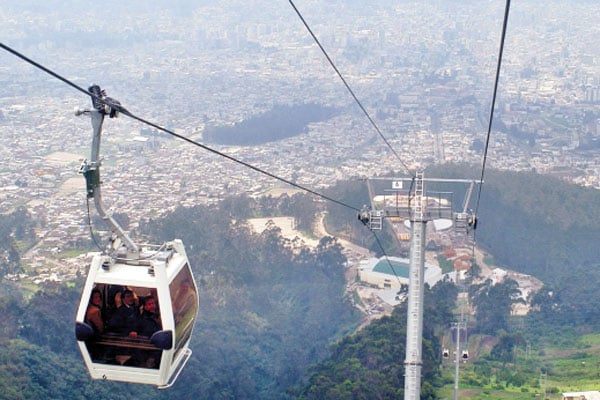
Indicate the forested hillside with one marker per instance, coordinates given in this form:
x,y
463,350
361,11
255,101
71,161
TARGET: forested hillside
x,y
530,223
370,363
548,228
266,312
269,310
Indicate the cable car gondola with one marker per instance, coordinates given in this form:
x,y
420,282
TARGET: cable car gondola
x,y
139,303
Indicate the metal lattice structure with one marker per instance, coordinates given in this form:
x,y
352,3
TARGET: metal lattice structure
x,y
418,207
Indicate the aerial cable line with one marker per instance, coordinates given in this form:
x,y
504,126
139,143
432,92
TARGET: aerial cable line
x,y
129,114
358,102
122,110
39,66
349,88
498,67
245,164
491,117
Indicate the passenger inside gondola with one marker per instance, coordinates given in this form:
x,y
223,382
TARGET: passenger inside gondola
x,y
149,320
94,317
149,323
125,320
113,299
124,337
94,314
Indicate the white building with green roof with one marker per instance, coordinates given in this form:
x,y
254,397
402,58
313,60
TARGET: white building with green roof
x,y
392,272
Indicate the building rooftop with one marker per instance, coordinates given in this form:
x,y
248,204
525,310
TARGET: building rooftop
x,y
391,266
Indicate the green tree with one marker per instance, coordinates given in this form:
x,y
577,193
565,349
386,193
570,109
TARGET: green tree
x,y
263,302
493,304
369,363
47,319
304,210
504,350
16,231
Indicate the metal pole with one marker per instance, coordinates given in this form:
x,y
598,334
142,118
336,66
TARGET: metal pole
x,y
456,360
414,325
91,171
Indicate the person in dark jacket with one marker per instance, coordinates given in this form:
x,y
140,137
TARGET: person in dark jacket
x,y
125,321
149,320
148,324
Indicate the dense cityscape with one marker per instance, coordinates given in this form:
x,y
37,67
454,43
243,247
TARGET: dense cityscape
x,y
425,73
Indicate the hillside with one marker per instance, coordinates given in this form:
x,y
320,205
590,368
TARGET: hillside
x,y
524,225
259,310
264,307
526,371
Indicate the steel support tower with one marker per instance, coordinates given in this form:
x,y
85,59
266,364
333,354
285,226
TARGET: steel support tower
x,y
414,324
418,207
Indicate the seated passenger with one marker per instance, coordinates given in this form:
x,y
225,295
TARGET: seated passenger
x,y
125,321
93,315
94,318
148,324
149,320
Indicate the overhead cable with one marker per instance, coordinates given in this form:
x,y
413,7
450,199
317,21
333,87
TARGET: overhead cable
x,y
349,88
497,79
124,111
360,105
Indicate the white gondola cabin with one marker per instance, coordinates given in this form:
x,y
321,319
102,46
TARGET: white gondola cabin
x,y
130,356
139,303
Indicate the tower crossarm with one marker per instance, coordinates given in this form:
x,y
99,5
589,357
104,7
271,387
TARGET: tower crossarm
x,y
407,200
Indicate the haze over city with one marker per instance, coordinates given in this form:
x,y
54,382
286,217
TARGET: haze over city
x,y
425,71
